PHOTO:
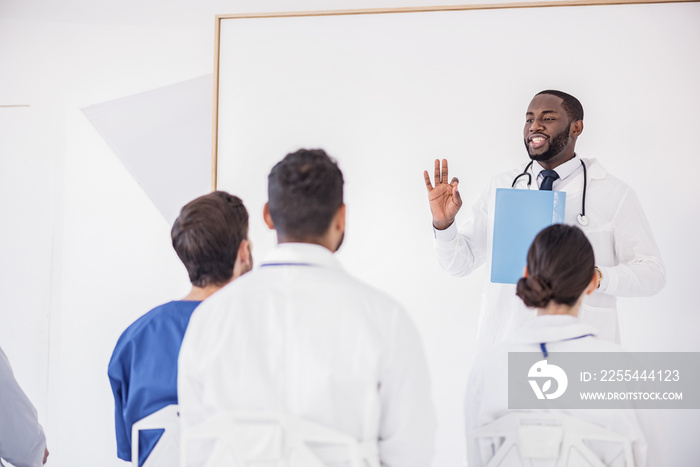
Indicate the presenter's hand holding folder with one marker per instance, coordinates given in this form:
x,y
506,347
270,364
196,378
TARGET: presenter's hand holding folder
x,y
518,218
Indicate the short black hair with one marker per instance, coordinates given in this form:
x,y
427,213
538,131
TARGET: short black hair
x,y
207,234
573,106
305,190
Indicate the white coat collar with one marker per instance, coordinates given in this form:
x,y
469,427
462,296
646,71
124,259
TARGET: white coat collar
x,y
306,254
594,168
564,170
551,328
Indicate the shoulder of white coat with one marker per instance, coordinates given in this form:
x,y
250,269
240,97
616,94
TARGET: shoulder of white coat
x,y
366,292
492,357
502,180
594,168
5,367
210,315
603,345
505,179
377,307
217,303
596,171
598,177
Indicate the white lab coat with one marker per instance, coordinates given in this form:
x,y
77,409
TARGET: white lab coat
x,y
487,391
622,240
300,336
22,440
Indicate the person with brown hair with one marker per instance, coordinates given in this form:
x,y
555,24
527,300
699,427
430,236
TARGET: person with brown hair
x,y
210,236
560,272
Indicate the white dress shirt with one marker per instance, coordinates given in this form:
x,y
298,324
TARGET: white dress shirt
x,y
300,336
622,240
566,171
22,439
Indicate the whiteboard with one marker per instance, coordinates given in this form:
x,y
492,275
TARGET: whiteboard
x,y
385,94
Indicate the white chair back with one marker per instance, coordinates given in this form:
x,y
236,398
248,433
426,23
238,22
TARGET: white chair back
x,y
166,452
541,439
272,439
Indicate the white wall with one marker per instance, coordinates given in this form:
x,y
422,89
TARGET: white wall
x,y
413,87
83,249
26,204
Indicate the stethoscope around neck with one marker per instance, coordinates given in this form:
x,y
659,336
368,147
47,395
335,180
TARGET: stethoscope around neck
x,y
582,219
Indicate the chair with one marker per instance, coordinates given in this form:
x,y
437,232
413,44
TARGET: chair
x,y
272,439
166,451
539,439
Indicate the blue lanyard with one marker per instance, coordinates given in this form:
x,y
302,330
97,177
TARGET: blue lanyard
x,y
285,264
543,345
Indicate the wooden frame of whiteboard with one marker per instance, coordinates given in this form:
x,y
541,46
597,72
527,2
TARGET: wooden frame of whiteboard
x,y
494,6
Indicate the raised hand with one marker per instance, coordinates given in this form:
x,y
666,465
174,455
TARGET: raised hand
x,y
444,198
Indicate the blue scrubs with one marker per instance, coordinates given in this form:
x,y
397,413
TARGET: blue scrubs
x,y
143,372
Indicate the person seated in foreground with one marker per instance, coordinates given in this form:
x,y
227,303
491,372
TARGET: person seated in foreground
x,y
560,272
210,236
300,336
22,440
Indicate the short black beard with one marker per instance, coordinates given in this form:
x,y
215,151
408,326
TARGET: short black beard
x,y
556,145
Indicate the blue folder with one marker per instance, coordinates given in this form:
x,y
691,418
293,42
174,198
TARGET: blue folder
x,y
519,217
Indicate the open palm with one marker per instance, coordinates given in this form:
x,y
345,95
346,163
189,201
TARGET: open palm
x,y
444,197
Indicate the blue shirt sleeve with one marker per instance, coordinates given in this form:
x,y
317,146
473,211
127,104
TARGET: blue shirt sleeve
x,y
143,372
118,379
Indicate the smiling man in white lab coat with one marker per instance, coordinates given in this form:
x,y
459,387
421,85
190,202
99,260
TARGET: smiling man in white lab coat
x,y
300,336
628,262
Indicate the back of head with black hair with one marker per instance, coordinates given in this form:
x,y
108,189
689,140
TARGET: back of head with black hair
x,y
207,234
560,265
573,106
305,190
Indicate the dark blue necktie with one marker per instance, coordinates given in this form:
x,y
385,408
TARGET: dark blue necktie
x,y
548,180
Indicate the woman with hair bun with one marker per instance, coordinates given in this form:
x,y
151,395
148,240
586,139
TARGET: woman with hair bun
x,y
560,272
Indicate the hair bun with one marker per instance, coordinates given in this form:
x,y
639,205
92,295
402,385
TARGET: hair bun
x,y
534,291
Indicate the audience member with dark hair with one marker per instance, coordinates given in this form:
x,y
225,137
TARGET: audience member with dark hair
x,y
210,236
560,272
301,337
560,268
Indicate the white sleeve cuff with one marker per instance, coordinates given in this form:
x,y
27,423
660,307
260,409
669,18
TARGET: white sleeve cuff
x,y
446,235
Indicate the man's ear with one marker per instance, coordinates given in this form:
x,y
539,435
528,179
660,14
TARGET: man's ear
x,y
576,128
244,259
593,285
339,219
268,218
